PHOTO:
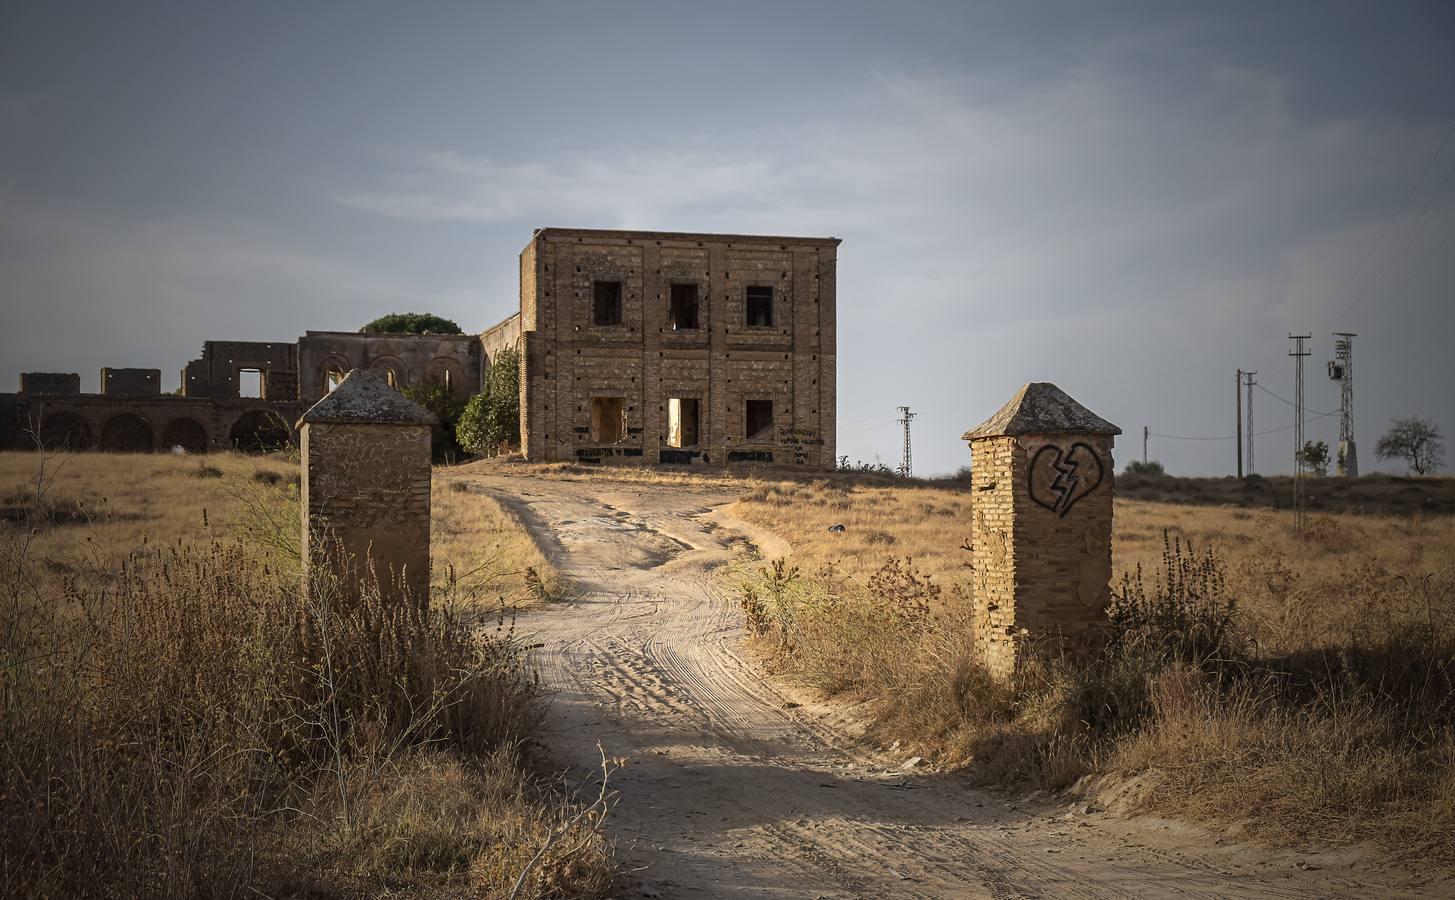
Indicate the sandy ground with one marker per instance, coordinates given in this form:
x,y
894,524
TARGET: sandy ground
x,y
738,786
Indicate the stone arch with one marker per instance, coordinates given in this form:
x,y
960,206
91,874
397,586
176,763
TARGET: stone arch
x,y
65,431
331,370
392,370
260,431
185,433
443,370
127,433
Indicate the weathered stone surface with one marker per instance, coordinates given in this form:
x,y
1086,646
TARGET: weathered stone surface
x,y
1041,408
365,397
1041,518
366,500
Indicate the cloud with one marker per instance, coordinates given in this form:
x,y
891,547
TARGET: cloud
x,y
147,292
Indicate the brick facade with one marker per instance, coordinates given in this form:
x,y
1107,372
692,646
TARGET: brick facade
x,y
1041,518
365,491
615,325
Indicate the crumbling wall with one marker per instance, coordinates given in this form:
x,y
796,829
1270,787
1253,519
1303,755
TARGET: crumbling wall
x,y
501,336
50,383
131,382
83,421
216,373
411,359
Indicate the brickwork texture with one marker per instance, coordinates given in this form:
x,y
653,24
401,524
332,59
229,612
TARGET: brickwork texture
x,y
756,352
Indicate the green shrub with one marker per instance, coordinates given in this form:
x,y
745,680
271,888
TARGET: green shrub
x,y
413,323
490,422
444,446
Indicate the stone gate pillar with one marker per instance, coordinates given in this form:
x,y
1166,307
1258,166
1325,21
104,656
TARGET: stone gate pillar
x,y
1041,511
365,489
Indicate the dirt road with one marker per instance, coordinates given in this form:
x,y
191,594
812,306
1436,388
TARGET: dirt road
x,y
733,790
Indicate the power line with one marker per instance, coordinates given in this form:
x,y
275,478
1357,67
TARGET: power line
x,y
1259,386
1358,283
1234,437
867,428
1408,234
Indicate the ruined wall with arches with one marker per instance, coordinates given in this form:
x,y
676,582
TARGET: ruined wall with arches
x,y
242,395
402,360
153,424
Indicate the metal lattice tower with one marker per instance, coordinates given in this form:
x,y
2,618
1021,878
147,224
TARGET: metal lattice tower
x,y
906,467
1249,382
1298,353
1341,369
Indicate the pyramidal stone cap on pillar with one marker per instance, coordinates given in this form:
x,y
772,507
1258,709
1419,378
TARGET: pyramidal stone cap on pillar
x,y
1041,408
363,397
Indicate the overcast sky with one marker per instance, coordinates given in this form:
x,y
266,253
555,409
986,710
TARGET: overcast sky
x,y
1131,201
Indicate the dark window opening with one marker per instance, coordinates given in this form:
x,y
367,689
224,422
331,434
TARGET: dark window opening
x,y
683,422
684,307
759,420
608,419
606,303
760,306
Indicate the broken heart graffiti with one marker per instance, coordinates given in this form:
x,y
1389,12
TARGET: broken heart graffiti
x,y
1059,478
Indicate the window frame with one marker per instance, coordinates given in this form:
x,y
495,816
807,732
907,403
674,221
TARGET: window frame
x,y
696,305
749,300
619,302
765,433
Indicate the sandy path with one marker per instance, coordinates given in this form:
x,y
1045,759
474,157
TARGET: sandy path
x,y
734,791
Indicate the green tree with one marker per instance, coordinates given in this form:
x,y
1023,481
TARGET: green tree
x,y
490,422
1150,467
1315,457
437,399
413,323
1415,440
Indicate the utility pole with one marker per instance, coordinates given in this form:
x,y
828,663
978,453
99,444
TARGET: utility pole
x,y
1146,431
1238,418
906,468
1341,369
1249,382
1298,353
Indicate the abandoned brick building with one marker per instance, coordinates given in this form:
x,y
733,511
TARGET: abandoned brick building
x,y
671,347
635,347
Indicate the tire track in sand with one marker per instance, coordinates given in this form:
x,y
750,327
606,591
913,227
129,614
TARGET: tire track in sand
x,y
730,795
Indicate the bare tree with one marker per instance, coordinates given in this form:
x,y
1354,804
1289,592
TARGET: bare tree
x,y
1415,440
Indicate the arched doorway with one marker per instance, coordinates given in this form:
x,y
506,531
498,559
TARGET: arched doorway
x,y
185,433
260,431
126,433
448,374
331,370
65,431
392,370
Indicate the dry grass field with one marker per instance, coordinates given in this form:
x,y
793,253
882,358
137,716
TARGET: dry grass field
x,y
1297,687
180,719
99,507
